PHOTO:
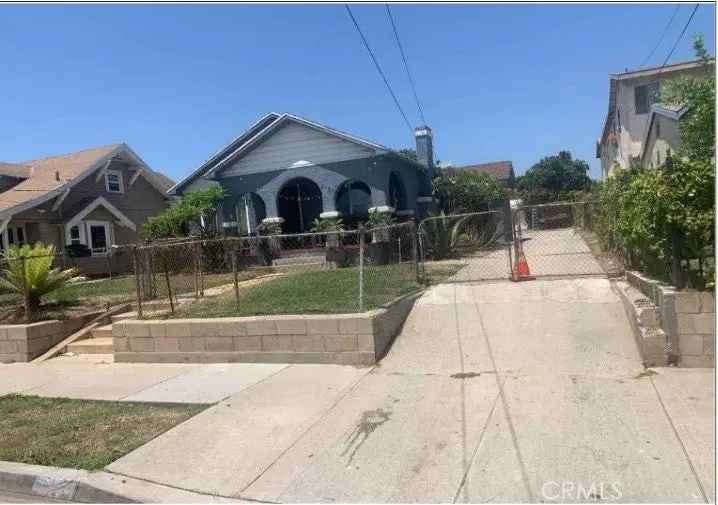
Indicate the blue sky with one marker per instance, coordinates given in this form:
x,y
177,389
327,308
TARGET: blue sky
x,y
178,82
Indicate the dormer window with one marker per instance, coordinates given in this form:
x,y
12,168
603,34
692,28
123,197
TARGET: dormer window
x,y
113,181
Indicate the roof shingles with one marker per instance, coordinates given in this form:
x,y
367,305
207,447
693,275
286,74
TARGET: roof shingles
x,y
49,174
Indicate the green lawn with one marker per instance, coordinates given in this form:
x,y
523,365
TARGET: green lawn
x,y
122,289
315,292
83,434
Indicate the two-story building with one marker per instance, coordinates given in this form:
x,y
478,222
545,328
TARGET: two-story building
x,y
637,128
89,200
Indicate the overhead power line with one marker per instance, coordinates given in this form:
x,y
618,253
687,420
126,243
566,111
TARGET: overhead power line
x,y
381,73
660,39
406,65
680,36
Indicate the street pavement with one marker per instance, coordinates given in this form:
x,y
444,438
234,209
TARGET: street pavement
x,y
493,392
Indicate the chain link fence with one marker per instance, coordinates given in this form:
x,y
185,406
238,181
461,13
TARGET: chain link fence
x,y
549,238
327,272
476,245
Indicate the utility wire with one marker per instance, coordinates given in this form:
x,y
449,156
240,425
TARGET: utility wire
x,y
660,39
376,64
680,36
406,65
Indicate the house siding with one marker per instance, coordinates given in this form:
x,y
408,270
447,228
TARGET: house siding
x,y
374,171
138,203
632,128
292,143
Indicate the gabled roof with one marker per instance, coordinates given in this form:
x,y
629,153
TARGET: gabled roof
x,y
261,130
501,170
222,153
635,74
50,177
672,112
15,170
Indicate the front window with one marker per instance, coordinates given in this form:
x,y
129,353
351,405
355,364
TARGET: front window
x,y
113,181
645,96
99,235
16,235
75,235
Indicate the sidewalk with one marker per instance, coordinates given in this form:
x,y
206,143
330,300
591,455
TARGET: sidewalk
x,y
493,392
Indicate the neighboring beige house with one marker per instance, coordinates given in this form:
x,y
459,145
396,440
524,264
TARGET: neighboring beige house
x,y
633,111
98,198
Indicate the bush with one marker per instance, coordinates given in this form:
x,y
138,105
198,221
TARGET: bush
x,y
468,191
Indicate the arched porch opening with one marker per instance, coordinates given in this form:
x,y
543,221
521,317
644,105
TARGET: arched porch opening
x,y
299,202
353,200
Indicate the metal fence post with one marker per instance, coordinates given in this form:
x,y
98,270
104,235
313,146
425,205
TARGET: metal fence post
x,y
676,268
199,268
167,280
138,281
195,268
234,274
362,232
415,247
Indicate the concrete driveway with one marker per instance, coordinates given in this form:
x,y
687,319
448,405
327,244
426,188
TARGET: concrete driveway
x,y
493,392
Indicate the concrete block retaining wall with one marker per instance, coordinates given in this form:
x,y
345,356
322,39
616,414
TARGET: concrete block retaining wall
x,y
687,318
25,342
346,339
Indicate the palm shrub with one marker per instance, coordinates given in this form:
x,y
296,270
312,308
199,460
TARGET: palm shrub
x,y
323,225
30,274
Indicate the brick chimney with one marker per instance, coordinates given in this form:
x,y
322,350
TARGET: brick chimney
x,y
425,147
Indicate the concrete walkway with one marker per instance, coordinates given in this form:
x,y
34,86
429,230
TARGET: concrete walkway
x,y
493,392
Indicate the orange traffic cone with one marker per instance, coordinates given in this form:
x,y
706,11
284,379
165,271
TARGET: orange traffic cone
x,y
521,270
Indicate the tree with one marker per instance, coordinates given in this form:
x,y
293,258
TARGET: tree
x,y
30,274
409,153
468,191
188,212
554,178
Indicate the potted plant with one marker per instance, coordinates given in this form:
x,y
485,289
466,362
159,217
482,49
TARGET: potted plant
x,y
270,247
332,226
378,223
379,250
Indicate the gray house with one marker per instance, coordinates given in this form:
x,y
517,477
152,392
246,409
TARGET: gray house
x,y
290,170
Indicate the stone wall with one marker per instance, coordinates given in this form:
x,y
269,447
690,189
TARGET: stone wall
x,y
25,342
686,317
346,339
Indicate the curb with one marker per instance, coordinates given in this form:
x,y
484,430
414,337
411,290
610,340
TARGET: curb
x,y
92,487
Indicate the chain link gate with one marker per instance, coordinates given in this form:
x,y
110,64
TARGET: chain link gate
x,y
476,245
525,242
549,237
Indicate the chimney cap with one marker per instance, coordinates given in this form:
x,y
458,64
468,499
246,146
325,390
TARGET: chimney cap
x,y
421,131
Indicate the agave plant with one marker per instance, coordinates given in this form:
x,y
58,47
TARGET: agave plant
x,y
441,235
30,273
